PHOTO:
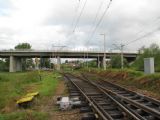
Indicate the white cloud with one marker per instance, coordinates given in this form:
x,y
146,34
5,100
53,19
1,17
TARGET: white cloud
x,y
46,22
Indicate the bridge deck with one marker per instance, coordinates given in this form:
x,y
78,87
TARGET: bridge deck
x,y
62,54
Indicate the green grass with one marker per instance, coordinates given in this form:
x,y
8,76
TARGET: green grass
x,y
132,78
48,84
145,82
12,85
15,85
24,115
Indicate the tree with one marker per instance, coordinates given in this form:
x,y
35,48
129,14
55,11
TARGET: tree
x,y
45,63
4,64
92,63
23,46
152,51
66,61
26,62
116,61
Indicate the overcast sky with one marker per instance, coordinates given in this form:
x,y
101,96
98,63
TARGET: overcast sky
x,y
45,22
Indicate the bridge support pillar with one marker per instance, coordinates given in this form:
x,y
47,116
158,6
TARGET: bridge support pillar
x,y
101,62
12,64
15,64
98,62
58,63
18,64
104,62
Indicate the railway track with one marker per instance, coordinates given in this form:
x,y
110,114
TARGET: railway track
x,y
145,108
106,106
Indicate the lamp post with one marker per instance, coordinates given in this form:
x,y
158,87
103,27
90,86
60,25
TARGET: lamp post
x,y
104,56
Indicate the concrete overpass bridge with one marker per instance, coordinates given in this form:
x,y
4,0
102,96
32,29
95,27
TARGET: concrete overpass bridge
x,y
16,55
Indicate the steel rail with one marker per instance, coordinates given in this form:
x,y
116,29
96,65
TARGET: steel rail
x,y
91,103
118,103
127,90
100,110
132,102
123,99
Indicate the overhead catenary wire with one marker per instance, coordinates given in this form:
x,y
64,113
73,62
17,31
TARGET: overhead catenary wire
x,y
76,11
95,18
93,24
78,18
100,20
143,36
155,23
138,38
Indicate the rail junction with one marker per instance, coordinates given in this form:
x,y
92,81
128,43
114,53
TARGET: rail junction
x,y
112,102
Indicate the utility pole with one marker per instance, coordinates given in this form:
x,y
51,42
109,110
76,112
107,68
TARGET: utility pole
x,y
122,63
88,49
87,57
57,55
98,62
121,49
110,57
104,56
84,58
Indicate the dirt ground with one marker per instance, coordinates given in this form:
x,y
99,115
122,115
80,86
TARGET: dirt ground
x,y
53,110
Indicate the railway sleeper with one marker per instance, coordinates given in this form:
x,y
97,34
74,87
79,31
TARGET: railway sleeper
x,y
85,109
140,113
107,107
111,112
116,114
140,105
153,103
88,116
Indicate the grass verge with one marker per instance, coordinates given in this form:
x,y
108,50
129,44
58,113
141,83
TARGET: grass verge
x,y
133,79
15,85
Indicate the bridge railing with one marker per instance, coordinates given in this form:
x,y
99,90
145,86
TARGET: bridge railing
x,y
68,50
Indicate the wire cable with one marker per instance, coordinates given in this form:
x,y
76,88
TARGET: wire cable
x,y
78,19
143,36
100,20
156,22
76,10
95,19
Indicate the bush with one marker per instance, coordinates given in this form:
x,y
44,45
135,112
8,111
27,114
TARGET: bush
x,y
116,61
152,51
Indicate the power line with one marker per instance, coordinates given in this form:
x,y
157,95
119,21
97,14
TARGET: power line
x,y
156,22
74,17
100,20
143,36
70,33
94,20
78,19
97,13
